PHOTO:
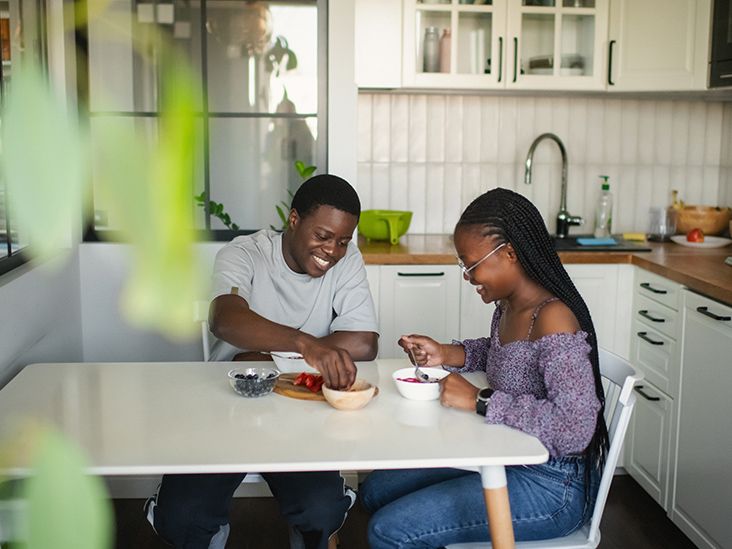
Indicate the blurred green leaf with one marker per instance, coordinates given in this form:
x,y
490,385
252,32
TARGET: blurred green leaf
x,y
67,509
150,189
42,152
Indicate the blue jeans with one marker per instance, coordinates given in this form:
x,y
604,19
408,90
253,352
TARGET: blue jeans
x,y
436,507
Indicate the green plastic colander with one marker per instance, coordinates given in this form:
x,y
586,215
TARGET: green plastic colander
x,y
384,224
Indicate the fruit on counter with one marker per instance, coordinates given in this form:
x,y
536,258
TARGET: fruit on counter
x,y
695,235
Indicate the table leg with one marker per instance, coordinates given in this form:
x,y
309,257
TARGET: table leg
x,y
495,492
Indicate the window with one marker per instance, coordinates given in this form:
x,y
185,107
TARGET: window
x,y
262,74
22,35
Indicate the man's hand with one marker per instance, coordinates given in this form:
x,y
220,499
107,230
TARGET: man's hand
x,y
458,392
333,363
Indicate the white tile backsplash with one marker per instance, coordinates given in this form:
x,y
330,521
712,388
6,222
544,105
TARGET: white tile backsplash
x,y
433,154
725,168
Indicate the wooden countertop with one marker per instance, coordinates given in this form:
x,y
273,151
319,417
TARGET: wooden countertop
x,y
701,270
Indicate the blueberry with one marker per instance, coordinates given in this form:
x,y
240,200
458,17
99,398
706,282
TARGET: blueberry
x,y
251,376
270,375
239,376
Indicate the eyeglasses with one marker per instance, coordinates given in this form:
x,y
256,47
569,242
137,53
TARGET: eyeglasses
x,y
466,270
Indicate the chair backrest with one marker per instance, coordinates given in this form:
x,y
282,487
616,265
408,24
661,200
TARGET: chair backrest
x,y
200,315
619,378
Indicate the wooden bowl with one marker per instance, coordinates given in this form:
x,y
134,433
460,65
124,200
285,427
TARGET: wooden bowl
x,y
358,396
711,220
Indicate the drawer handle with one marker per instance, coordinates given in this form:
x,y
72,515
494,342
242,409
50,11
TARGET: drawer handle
x,y
441,273
639,390
647,286
706,312
644,314
644,336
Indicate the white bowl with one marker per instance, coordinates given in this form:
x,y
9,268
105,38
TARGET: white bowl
x,y
415,390
292,363
358,396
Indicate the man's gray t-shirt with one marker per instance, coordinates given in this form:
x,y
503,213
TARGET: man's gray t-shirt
x,y
253,267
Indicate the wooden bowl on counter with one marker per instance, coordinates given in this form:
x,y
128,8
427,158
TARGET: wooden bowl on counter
x,y
710,219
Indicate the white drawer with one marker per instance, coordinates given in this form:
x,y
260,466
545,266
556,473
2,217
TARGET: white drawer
x,y
711,313
655,354
657,316
658,289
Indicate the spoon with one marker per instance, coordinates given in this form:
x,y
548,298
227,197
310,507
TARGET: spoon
x,y
419,374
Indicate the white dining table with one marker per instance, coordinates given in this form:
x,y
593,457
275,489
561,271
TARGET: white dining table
x,y
156,418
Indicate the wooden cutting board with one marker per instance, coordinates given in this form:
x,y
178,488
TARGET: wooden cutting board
x,y
285,386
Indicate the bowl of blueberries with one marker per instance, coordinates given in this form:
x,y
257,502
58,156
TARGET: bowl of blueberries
x,y
253,382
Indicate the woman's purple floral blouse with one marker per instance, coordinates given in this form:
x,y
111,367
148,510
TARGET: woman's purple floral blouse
x,y
543,387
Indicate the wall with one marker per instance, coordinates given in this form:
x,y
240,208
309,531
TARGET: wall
x,y
107,336
41,315
433,154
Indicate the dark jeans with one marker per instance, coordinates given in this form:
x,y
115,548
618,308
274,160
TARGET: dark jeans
x,y
191,508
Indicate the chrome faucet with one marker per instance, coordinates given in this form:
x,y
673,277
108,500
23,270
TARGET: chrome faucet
x,y
564,218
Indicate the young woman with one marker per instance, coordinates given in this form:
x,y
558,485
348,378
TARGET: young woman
x,y
542,367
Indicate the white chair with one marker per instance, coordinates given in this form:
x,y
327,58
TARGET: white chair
x,y
619,378
200,315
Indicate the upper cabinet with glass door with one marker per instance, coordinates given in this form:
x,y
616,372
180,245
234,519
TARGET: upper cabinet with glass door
x,y
454,43
557,44
520,44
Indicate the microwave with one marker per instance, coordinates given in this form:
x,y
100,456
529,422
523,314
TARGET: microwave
x,y
720,73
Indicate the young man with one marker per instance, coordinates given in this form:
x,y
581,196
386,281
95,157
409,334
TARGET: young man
x,y
304,290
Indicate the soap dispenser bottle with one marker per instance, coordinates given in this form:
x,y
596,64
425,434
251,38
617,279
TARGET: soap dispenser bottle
x,y
604,213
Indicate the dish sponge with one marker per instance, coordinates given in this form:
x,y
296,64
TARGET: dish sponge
x,y
608,241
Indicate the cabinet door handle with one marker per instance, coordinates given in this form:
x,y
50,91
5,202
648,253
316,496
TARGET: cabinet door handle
x,y
515,58
644,336
610,63
639,390
644,314
441,273
500,58
706,312
647,286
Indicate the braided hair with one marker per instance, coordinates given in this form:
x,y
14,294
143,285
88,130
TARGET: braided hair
x,y
512,218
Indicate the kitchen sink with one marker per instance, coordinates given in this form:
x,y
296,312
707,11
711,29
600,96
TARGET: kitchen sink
x,y
570,244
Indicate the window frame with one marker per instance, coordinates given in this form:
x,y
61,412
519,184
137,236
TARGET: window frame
x,y
91,233
38,37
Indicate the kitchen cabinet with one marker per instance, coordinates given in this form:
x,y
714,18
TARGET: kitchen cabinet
x,y
508,44
655,332
702,483
654,336
378,43
658,45
648,441
419,299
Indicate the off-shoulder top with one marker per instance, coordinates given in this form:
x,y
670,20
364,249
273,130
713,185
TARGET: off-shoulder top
x,y
543,387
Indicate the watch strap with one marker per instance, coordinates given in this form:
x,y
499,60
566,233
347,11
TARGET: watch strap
x,y
481,402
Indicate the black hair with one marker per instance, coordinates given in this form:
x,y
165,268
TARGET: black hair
x,y
512,218
326,190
